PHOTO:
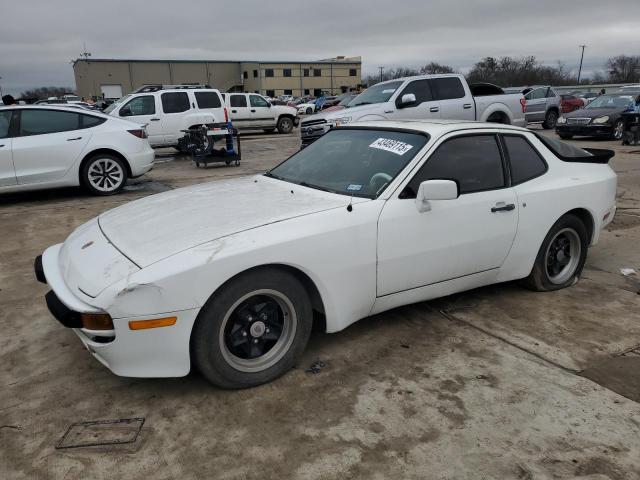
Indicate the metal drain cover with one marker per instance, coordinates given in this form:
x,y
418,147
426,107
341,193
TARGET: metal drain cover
x,y
102,432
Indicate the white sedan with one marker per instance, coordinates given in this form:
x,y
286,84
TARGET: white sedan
x,y
306,108
60,146
370,217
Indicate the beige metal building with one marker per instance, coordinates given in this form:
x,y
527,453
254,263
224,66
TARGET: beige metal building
x,y
112,78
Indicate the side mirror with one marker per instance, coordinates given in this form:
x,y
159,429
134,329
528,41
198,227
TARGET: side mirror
x,y
407,100
125,111
435,190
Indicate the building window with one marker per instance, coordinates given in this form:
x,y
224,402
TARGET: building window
x,y
270,93
305,72
317,92
353,72
317,72
255,74
288,92
245,74
307,91
268,72
286,72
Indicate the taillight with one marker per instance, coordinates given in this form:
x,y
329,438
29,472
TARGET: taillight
x,y
523,102
226,115
139,132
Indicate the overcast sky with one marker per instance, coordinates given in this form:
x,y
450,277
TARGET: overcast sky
x,y
39,38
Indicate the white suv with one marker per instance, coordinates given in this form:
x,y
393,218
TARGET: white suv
x,y
169,109
253,111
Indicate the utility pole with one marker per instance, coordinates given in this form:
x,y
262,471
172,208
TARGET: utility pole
x,y
581,58
381,69
0,88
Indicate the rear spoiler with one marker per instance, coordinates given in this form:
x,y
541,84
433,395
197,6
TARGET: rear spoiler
x,y
595,155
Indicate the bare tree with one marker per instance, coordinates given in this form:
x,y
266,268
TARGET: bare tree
x,y
624,69
433,68
42,93
510,71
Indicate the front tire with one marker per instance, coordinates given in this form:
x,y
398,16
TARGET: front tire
x,y
618,130
550,120
309,111
285,125
253,330
103,174
561,257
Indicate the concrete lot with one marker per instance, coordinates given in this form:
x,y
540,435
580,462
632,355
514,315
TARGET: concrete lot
x,y
497,383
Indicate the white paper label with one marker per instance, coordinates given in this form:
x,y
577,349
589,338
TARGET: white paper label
x,y
389,90
393,146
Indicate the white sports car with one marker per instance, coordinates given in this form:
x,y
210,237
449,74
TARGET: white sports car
x,y
306,108
370,217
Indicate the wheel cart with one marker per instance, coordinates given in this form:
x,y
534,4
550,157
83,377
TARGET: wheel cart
x,y
631,128
200,144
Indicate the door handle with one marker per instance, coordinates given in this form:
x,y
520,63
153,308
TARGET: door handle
x,y
2,145
253,111
503,208
388,111
466,106
155,119
434,109
73,139
234,111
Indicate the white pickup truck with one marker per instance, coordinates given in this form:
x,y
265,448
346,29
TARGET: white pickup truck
x,y
422,98
251,111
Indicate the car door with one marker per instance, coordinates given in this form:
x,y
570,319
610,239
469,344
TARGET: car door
x,y
262,115
455,238
455,102
240,114
536,104
174,106
7,172
144,110
48,144
425,106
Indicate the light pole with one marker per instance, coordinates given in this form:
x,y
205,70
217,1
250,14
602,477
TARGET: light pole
x,y
581,58
381,69
0,87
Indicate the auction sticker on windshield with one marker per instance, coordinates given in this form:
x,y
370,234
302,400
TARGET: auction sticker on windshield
x,y
393,146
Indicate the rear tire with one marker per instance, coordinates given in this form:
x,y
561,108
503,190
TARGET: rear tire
x,y
253,330
561,257
617,131
285,125
103,174
309,111
550,120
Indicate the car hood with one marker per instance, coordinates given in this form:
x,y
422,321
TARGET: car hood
x,y
354,112
592,112
158,226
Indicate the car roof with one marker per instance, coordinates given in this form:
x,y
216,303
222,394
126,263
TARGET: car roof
x,y
61,106
436,126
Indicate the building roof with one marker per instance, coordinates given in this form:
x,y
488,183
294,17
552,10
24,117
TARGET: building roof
x,y
139,60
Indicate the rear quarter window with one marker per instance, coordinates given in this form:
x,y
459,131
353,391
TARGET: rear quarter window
x,y
208,100
525,161
175,102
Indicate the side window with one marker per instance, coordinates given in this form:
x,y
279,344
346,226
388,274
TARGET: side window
x,y
238,101
208,100
145,105
526,163
551,93
175,102
536,94
89,121
474,162
257,101
420,88
5,121
447,88
38,122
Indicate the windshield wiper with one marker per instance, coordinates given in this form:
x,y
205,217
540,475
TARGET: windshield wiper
x,y
272,175
317,187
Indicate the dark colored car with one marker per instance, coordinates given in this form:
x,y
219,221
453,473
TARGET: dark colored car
x,y
569,103
601,118
333,101
342,104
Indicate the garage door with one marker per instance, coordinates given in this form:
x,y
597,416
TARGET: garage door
x,y
111,91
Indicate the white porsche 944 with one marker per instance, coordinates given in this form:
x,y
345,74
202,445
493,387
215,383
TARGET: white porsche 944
x,y
231,274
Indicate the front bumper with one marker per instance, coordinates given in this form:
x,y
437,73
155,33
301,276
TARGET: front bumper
x,y
590,130
154,352
310,132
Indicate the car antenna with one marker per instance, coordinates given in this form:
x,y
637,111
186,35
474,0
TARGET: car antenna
x,y
350,206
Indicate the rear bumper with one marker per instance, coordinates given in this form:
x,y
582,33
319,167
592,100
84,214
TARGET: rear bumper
x,y
141,162
155,352
593,130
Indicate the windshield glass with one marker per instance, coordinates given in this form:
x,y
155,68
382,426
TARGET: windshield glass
x,y
358,162
379,93
611,101
116,104
346,101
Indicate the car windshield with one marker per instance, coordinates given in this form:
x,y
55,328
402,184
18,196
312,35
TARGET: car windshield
x,y
379,93
611,101
116,104
346,100
352,161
